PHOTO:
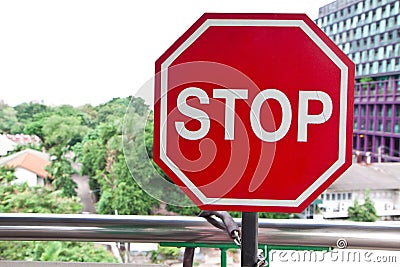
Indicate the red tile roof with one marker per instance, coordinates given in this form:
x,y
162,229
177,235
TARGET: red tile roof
x,y
31,162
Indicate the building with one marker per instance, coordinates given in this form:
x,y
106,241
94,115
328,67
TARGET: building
x,y
368,31
29,166
381,179
24,139
6,145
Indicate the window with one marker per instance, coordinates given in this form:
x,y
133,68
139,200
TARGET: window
x,y
371,55
389,51
390,36
388,126
364,56
357,57
359,7
393,9
339,196
382,25
389,111
391,22
397,127
371,125
349,195
334,29
333,196
379,110
355,20
373,28
390,66
328,196
346,48
348,24
363,110
371,110
380,126
379,13
375,67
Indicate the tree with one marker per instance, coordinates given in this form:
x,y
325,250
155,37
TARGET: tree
x,y
8,118
22,198
365,212
30,118
61,170
54,251
367,80
6,175
102,158
60,132
28,112
113,111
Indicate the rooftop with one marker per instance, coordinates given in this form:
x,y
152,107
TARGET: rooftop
x,y
29,159
376,176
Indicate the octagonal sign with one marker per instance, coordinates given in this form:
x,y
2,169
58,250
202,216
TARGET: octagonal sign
x,y
253,112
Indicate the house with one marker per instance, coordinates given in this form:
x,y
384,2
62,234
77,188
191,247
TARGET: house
x,y
24,139
381,179
29,166
6,145
8,142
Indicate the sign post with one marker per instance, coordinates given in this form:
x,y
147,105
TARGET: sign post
x,y
242,100
249,252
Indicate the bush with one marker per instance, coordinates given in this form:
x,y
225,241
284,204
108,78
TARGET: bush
x,y
164,253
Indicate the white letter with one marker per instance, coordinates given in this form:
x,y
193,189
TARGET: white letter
x,y
304,118
255,115
230,96
194,113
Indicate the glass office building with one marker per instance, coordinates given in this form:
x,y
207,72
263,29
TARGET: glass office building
x,y
368,31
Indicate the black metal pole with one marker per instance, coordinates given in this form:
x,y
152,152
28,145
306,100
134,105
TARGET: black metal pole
x,y
249,239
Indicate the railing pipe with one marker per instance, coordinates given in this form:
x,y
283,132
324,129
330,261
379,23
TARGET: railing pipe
x,y
148,229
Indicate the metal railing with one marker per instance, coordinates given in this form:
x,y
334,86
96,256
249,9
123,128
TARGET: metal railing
x,y
156,229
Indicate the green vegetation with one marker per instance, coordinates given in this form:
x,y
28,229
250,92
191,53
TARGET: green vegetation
x,y
164,253
365,212
8,118
94,134
22,198
54,251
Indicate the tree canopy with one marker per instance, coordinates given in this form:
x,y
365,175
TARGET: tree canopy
x,y
20,198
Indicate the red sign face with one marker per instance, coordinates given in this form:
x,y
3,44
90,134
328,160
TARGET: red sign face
x,y
253,112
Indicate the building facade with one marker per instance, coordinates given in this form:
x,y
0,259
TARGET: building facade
x,y
382,181
368,31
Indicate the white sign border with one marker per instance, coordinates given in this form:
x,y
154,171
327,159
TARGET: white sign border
x,y
342,118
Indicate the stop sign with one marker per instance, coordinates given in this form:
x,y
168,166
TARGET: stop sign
x,y
253,112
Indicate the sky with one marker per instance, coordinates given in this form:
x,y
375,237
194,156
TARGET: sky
x,y
89,51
